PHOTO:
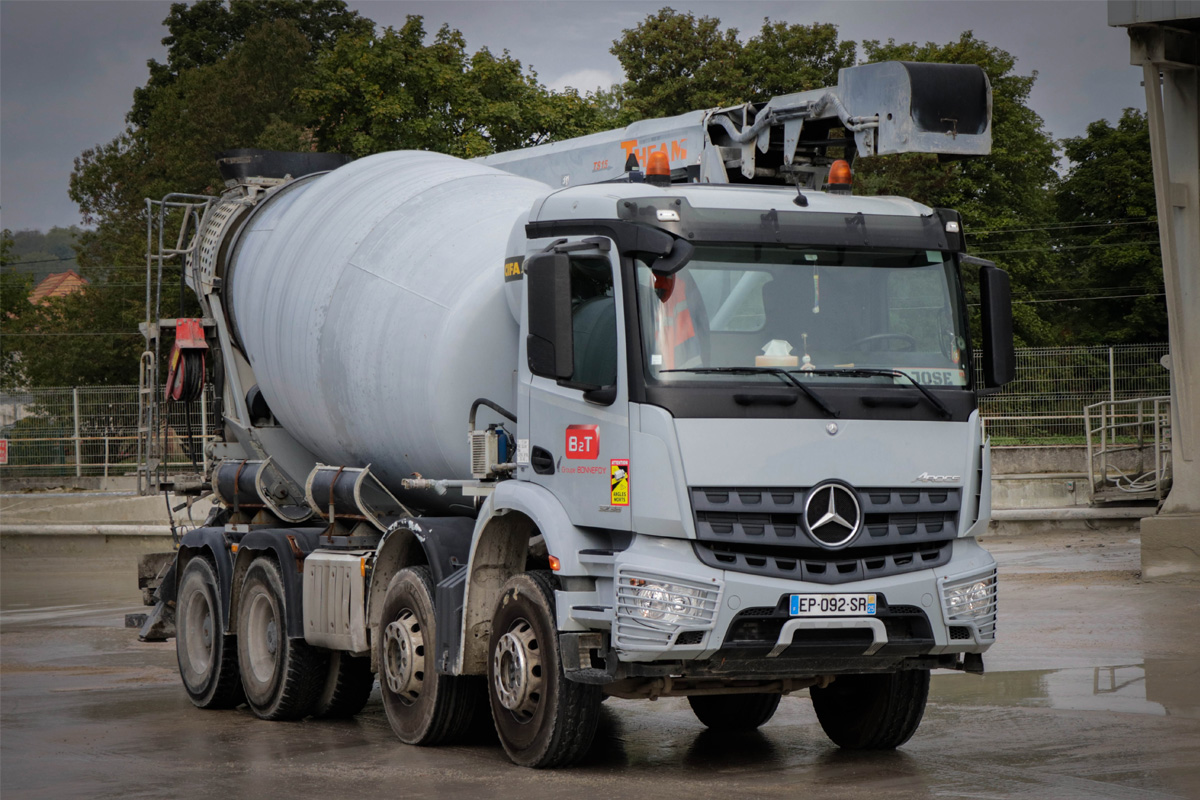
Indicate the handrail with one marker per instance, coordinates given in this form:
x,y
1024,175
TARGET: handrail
x,y
1129,426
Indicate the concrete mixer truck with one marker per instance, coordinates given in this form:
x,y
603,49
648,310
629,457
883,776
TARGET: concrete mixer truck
x,y
663,411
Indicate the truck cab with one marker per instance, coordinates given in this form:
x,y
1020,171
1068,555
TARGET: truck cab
x,y
769,443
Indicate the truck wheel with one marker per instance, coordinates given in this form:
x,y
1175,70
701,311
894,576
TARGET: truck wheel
x,y
348,685
282,677
543,719
424,706
734,712
207,657
872,712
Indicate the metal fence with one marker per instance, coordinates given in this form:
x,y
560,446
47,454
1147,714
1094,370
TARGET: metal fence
x,y
1045,404
93,431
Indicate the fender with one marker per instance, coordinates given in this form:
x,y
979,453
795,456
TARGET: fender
x,y
277,542
509,518
446,543
210,541
441,543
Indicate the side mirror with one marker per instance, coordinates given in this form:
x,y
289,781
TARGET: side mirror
x,y
550,344
681,253
995,298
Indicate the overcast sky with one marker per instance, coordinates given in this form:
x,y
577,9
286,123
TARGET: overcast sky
x,y
68,68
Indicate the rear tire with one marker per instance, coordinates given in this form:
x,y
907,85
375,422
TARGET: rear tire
x,y
207,657
423,706
734,712
281,677
348,686
872,712
543,719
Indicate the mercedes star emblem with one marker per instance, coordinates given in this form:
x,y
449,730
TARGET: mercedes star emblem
x,y
832,514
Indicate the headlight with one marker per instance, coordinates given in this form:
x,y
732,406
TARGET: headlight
x,y
670,605
968,601
977,599
956,603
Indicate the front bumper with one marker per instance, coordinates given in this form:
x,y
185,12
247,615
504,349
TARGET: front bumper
x,y
698,613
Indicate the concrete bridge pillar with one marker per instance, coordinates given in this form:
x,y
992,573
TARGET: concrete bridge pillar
x,y
1165,43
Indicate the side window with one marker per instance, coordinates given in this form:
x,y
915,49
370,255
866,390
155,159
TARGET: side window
x,y
593,321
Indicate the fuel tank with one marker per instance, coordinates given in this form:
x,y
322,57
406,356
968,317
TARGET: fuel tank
x,y
370,303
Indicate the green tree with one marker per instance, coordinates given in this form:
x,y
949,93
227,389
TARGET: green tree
x,y
14,303
393,91
229,80
785,58
84,337
41,254
1005,198
205,31
81,339
675,63
1109,236
242,100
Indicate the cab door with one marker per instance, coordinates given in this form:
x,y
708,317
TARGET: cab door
x,y
576,419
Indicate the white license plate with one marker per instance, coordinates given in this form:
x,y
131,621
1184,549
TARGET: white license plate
x,y
833,605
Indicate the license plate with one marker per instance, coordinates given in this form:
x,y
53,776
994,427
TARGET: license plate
x,y
833,605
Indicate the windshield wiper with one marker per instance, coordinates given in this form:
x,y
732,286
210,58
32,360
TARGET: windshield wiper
x,y
886,373
778,372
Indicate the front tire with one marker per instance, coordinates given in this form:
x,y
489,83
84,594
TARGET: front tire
x,y
543,719
423,706
872,712
734,712
207,657
281,677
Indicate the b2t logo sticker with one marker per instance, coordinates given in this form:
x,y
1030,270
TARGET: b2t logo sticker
x,y
583,441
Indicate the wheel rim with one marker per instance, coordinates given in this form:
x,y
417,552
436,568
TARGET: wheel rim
x,y
263,630
517,671
404,656
198,632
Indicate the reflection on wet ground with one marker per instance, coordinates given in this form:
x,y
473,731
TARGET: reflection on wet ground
x,y
1159,687
1091,693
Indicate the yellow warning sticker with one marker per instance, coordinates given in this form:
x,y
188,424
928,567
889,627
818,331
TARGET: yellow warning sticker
x,y
619,477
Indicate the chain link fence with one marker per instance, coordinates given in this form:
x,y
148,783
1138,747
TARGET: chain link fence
x,y
92,431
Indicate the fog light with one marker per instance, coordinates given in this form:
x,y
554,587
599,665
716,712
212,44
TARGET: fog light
x,y
977,600
969,601
671,605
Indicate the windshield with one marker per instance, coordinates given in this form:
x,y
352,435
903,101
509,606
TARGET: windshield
x,y
824,311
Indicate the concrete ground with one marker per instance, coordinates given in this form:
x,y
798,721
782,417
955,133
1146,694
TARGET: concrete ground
x,y
1093,691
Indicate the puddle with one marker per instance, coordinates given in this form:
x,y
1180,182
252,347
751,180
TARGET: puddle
x,y
1157,687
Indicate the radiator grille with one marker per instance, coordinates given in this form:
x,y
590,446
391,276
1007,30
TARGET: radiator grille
x,y
760,531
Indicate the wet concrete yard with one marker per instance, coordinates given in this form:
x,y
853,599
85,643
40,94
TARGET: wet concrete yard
x,y
1093,691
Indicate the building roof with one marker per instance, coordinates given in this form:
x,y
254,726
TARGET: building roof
x,y
58,284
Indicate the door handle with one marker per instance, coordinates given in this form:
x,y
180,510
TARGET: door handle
x,y
542,460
